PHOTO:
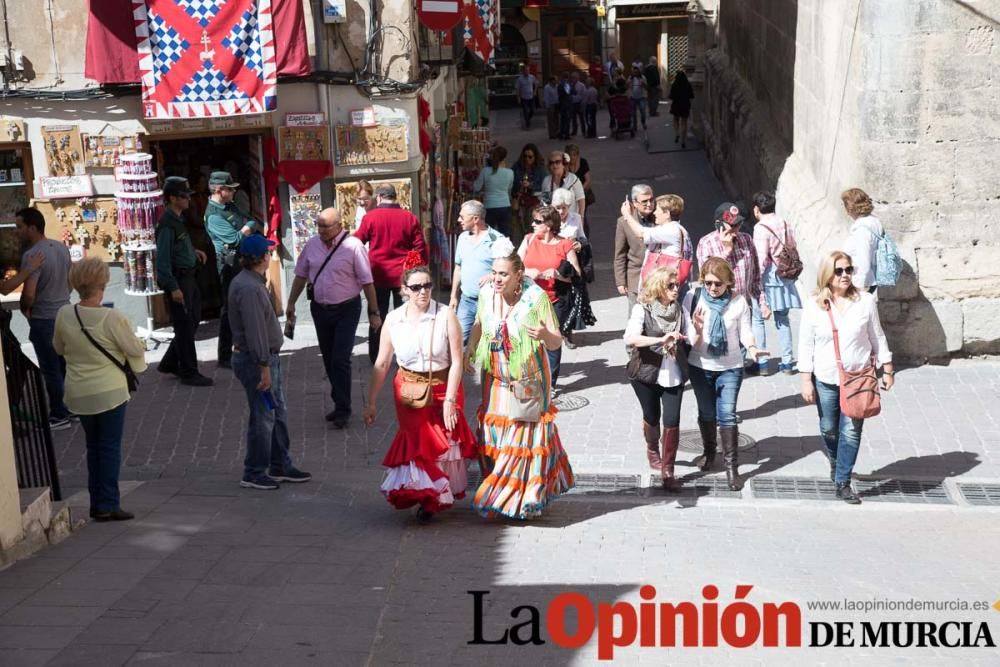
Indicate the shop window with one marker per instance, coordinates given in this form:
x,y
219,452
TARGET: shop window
x,y
15,194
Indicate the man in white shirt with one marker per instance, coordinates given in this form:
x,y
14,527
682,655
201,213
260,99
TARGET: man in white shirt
x,y
527,86
862,240
550,99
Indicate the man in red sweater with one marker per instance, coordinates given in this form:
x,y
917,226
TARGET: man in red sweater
x,y
390,232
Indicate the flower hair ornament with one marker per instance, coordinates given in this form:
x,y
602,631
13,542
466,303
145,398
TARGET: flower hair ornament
x,y
412,260
501,248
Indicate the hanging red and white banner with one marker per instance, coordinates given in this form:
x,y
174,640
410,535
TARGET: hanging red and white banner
x,y
481,27
202,58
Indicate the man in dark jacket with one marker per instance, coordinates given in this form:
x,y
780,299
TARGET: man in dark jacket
x,y
652,74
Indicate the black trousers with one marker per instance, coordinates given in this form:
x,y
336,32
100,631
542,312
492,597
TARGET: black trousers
x,y
225,332
181,357
382,295
335,328
657,402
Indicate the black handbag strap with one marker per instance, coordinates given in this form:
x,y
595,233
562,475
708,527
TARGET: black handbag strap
x,y
111,358
330,256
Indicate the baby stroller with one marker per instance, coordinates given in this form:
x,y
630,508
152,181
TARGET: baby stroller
x,y
621,115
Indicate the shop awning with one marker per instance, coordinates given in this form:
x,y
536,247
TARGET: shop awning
x,y
111,46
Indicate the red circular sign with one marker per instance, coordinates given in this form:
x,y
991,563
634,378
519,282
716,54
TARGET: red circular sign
x,y
439,15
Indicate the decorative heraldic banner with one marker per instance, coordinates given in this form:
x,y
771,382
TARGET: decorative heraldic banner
x,y
201,58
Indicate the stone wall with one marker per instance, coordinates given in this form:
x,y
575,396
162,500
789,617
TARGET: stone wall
x,y
898,97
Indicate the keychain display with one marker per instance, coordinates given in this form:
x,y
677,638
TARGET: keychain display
x,y
140,204
135,164
137,182
140,273
138,213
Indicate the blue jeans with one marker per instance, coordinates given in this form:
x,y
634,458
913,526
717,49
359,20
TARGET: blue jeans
x,y
638,109
781,324
527,110
267,433
335,329
841,434
467,314
104,457
716,393
52,366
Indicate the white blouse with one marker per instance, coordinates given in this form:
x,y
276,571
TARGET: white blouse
x,y
573,228
670,370
412,340
737,319
666,239
570,182
860,333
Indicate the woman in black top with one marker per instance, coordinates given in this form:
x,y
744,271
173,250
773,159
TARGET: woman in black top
x,y
681,95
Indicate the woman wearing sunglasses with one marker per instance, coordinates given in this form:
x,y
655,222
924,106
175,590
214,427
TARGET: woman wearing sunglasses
x,y
860,339
547,260
529,174
719,324
657,368
561,177
426,460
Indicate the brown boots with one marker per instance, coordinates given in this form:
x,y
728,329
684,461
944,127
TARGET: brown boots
x,y
671,438
709,443
652,436
730,435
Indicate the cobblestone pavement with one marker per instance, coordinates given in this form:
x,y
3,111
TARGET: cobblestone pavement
x,y
327,574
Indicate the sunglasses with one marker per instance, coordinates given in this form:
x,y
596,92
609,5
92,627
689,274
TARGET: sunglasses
x,y
420,287
841,270
671,286
555,162
535,221
714,283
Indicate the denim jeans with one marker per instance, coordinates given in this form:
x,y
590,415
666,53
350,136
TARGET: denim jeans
x,y
335,329
267,433
659,402
52,366
467,314
638,109
781,324
555,357
527,110
841,434
104,457
382,295
716,393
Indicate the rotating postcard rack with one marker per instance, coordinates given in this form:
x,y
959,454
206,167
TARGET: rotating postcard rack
x,y
139,205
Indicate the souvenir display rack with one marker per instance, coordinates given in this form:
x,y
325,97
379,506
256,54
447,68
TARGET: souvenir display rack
x,y
473,147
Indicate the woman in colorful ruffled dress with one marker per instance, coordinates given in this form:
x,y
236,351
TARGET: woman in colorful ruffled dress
x,y
515,325
426,461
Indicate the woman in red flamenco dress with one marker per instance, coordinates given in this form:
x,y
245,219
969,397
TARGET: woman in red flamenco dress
x,y
426,463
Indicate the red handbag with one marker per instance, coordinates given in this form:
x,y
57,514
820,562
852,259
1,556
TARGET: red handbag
x,y
656,260
859,393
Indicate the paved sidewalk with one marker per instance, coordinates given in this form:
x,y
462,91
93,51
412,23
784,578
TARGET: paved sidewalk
x,y
326,573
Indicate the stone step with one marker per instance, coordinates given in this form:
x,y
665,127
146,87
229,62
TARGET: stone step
x,y
42,523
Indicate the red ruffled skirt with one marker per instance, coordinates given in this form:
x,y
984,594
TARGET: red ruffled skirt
x,y
426,462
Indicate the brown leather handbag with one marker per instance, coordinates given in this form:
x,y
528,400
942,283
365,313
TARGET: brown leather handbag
x,y
859,393
417,394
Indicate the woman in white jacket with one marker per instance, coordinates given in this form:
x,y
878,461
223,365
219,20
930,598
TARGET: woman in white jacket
x,y
862,240
861,338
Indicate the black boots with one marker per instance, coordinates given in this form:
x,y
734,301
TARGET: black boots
x,y
671,439
709,443
847,494
729,435
652,436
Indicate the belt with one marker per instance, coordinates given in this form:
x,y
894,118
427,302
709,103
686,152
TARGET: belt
x,y
237,348
334,306
437,377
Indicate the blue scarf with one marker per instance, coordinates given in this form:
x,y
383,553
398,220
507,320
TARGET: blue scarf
x,y
717,343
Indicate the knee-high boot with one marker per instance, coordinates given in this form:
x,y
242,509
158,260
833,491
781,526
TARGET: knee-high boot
x,y
730,435
671,438
652,437
709,443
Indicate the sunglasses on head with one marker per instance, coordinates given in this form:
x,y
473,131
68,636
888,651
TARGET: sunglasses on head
x,y
841,270
714,283
420,287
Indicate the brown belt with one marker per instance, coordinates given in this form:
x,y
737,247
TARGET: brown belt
x,y
437,377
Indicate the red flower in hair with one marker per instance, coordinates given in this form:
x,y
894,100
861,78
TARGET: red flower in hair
x,y
412,260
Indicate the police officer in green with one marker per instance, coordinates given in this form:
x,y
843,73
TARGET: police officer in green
x,y
176,268
227,225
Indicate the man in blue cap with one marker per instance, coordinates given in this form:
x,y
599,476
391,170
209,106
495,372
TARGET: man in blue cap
x,y
257,339
176,271
227,225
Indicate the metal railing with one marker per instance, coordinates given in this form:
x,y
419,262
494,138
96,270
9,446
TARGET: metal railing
x,y
34,455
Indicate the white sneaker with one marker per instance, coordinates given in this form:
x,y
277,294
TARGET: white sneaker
x,y
59,423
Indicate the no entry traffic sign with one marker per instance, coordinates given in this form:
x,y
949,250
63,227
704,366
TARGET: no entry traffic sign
x,y
439,15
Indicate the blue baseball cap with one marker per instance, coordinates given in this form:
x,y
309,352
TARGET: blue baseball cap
x,y
255,245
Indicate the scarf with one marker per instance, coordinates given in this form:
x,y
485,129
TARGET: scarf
x,y
667,317
717,343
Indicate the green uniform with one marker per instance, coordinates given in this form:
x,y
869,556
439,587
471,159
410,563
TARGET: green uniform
x,y
174,251
223,223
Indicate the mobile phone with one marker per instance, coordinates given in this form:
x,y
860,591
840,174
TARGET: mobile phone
x,y
720,226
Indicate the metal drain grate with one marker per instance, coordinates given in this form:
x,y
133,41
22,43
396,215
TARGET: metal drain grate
x,y
792,488
585,482
902,491
570,402
714,487
980,494
690,441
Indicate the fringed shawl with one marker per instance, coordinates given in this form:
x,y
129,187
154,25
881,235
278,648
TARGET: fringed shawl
x,y
533,308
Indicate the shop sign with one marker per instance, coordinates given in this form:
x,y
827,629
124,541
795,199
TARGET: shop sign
x,y
208,125
364,117
652,11
334,11
66,187
304,119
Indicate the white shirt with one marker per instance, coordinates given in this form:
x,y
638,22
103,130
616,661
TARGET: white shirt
x,y
860,334
573,228
411,341
860,245
737,319
670,370
667,239
570,182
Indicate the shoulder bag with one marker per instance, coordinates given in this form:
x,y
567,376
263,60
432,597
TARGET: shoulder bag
x,y
656,260
130,377
527,399
859,394
786,263
644,362
310,292
417,394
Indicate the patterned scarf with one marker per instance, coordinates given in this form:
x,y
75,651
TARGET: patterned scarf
x,y
667,317
717,344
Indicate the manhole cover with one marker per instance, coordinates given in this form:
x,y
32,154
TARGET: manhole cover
x,y
691,442
569,402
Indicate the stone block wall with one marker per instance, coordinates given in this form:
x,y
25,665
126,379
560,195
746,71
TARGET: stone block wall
x,y
898,97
